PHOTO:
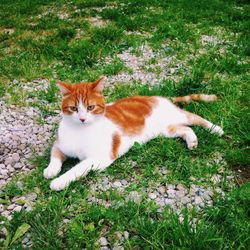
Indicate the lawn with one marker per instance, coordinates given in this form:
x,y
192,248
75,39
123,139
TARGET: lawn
x,y
147,47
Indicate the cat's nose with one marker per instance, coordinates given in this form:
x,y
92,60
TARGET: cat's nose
x,y
82,120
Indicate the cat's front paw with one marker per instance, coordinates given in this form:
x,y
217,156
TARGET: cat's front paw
x,y
58,184
52,170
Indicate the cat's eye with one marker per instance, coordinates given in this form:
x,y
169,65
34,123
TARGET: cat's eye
x,y
90,107
73,108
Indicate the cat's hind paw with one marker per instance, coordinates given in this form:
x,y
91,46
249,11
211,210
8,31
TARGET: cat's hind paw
x,y
217,130
193,144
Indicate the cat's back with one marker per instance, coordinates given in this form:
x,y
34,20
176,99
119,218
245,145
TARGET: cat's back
x,y
134,105
131,113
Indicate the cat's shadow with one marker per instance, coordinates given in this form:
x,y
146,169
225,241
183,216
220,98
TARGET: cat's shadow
x,y
68,164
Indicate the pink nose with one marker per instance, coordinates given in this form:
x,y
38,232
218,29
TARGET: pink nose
x,y
82,120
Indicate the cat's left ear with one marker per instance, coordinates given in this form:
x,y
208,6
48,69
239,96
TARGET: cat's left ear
x,y
64,87
98,85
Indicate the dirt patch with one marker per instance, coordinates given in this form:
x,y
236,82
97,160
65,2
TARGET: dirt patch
x,y
242,174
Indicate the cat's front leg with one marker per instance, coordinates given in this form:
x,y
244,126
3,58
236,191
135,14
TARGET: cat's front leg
x,y
79,170
56,160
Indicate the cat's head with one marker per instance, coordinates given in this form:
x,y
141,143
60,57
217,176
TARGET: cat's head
x,y
83,103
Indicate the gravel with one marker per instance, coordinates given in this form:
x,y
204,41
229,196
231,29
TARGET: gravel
x,y
175,196
20,135
145,72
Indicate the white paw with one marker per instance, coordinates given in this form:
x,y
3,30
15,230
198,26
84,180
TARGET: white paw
x,y
58,184
193,144
217,130
52,170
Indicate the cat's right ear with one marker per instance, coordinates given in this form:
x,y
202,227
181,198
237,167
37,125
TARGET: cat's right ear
x,y
64,87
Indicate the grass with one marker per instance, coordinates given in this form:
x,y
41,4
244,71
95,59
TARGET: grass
x,y
36,41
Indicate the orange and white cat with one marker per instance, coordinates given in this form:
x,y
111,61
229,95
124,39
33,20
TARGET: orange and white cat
x,y
97,133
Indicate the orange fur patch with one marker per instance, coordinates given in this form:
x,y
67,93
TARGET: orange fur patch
x,y
56,152
130,113
171,129
82,92
116,141
195,97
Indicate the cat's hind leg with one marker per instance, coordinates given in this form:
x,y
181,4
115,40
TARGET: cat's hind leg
x,y
193,119
79,170
55,165
186,133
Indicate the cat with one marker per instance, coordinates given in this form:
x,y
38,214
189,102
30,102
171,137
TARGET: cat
x,y
97,133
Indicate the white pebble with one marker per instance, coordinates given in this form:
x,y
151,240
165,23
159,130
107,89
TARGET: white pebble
x,y
103,241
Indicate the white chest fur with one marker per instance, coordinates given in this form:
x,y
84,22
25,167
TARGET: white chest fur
x,y
86,140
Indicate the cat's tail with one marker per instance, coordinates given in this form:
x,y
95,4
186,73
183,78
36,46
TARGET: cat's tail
x,y
195,97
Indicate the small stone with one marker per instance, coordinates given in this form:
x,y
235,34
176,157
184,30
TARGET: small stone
x,y
169,202
4,231
124,182
126,235
161,189
31,196
230,177
16,157
66,221
159,210
19,184
152,196
170,186
117,184
180,194
180,187
197,200
219,191
171,193
17,209
25,240
185,200
189,206
103,241
28,209
191,178
133,163
160,202
6,213
202,204
10,168
2,182
11,207
180,219
18,165
206,197
3,177
215,178
134,196
8,161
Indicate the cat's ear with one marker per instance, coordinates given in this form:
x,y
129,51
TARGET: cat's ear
x,y
98,85
64,87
